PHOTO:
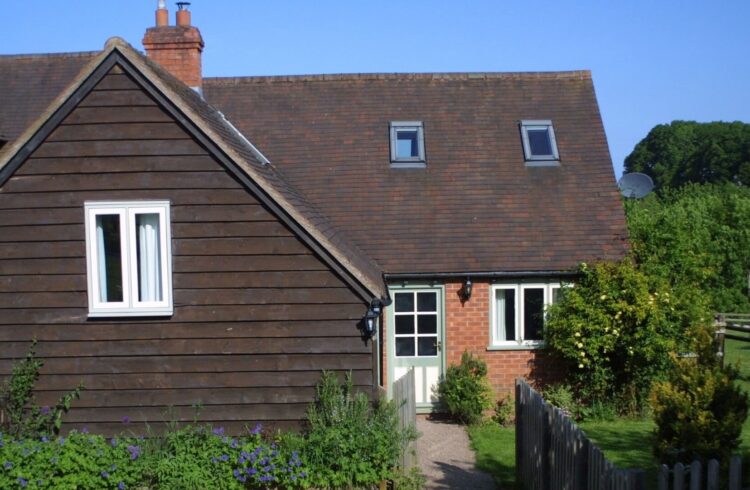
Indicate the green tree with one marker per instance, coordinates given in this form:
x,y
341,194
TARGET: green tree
x,y
696,238
687,151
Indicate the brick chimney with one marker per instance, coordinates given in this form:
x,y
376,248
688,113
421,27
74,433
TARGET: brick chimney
x,y
177,48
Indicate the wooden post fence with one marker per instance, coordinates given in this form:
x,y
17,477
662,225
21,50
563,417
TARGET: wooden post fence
x,y
404,396
552,453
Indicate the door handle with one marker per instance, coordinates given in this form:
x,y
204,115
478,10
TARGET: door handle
x,y
439,346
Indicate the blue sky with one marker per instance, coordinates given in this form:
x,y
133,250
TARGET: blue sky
x,y
652,61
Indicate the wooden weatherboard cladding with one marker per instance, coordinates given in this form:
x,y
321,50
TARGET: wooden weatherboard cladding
x,y
257,313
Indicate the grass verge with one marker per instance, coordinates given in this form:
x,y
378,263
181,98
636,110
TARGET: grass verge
x,y
495,449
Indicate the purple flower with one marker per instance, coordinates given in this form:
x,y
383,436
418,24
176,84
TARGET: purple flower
x,y
251,471
214,460
61,440
236,473
219,431
22,482
121,486
258,428
45,410
53,460
113,467
224,457
126,420
104,474
85,430
8,465
234,444
45,439
135,451
113,442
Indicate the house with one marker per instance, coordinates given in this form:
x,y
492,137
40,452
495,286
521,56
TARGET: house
x,y
175,241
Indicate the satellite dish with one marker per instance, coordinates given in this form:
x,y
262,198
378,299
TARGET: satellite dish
x,y
635,185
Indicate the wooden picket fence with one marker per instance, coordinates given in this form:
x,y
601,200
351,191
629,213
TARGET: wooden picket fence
x,y
692,477
552,453
404,396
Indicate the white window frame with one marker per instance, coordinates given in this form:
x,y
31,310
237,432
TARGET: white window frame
x,y
519,289
415,314
130,305
539,160
407,162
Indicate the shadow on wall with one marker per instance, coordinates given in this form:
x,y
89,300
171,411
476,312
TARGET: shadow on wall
x,y
545,369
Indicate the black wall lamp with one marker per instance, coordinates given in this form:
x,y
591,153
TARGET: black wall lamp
x,y
371,317
466,290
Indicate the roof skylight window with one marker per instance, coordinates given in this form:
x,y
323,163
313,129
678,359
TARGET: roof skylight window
x,y
407,144
539,145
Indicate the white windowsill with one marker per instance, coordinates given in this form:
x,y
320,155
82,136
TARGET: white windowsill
x,y
131,313
516,346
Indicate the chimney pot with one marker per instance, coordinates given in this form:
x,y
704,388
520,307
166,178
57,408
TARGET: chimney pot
x,y
183,14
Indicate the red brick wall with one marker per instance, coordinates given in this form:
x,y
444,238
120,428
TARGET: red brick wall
x,y
467,328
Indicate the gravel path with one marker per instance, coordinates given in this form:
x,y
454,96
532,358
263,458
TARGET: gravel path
x,y
446,459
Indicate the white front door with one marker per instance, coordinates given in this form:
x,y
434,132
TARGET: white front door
x,y
415,340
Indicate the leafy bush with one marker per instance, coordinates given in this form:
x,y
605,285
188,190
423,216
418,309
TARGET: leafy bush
x,y
350,442
615,331
561,396
23,417
698,412
465,390
504,411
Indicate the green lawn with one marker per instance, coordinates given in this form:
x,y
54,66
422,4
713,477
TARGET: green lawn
x,y
625,442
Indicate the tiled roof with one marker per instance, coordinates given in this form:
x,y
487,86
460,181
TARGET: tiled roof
x,y
28,83
476,206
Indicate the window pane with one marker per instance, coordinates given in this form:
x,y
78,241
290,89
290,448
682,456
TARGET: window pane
x,y
427,346
407,145
539,141
505,314
404,346
427,302
427,324
556,295
533,313
109,256
404,301
404,324
149,257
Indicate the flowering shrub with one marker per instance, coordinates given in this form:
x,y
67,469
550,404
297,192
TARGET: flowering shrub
x,y
465,390
615,330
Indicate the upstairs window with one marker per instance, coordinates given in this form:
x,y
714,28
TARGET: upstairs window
x,y
539,143
128,258
407,144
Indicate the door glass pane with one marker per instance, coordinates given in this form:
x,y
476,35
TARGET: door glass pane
x,y
404,324
427,302
505,314
148,251
404,346
427,346
533,313
539,142
404,301
109,257
427,324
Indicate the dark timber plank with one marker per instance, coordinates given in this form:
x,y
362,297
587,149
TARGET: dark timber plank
x,y
195,347
238,229
136,180
239,246
66,198
128,98
118,148
157,329
238,413
121,131
303,279
94,115
116,82
160,427
43,300
240,263
95,165
41,266
221,213
185,397
189,380
42,250
41,233
20,284
237,313
200,364
58,216
291,296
